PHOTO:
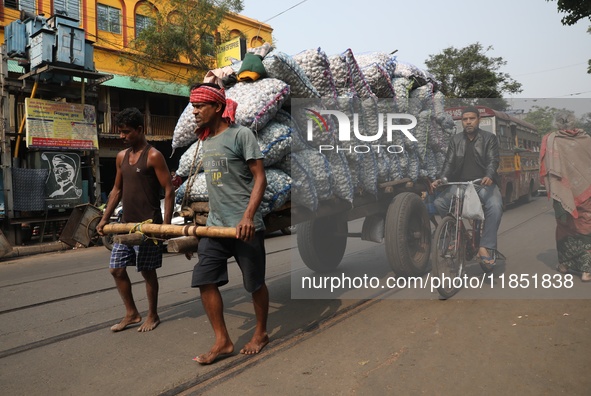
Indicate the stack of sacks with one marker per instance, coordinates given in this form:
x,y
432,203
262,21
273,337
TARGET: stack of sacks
x,y
366,85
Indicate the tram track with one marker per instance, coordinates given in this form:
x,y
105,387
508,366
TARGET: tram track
x,y
242,363
89,293
103,325
277,345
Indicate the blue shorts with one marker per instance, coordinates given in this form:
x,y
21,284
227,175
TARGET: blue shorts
x,y
146,257
214,253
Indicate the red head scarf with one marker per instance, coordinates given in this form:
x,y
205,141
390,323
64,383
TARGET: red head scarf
x,y
207,94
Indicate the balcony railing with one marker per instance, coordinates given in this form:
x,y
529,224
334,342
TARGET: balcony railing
x,y
155,125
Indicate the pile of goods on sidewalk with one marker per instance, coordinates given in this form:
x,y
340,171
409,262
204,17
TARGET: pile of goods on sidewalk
x,y
305,159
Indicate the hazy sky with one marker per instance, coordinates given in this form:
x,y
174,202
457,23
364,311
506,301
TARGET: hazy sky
x,y
547,58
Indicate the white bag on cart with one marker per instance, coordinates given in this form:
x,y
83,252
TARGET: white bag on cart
x,y
472,208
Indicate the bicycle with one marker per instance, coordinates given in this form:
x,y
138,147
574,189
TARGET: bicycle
x,y
456,240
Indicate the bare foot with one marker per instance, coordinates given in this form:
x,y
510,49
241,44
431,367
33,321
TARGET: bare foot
x,y
214,353
255,345
125,322
149,325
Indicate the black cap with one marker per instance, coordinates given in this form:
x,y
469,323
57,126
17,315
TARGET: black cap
x,y
471,109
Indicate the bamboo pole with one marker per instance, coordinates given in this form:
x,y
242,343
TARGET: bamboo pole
x,y
183,245
170,230
134,239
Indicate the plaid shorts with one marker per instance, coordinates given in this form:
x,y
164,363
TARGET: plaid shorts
x,y
145,257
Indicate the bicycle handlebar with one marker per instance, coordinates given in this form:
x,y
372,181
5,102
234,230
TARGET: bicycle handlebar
x,y
444,182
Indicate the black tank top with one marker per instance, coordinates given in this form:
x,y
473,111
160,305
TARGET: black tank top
x,y
140,191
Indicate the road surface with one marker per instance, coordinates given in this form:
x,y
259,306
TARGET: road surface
x,y
56,310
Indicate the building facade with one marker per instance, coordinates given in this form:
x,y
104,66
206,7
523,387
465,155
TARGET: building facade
x,y
109,26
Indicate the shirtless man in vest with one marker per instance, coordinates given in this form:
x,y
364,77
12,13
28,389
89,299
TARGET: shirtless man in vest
x,y
141,174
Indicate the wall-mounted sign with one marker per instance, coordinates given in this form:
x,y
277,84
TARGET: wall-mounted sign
x,y
60,125
235,48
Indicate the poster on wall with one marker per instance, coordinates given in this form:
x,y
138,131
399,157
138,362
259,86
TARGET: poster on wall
x,y
63,188
60,125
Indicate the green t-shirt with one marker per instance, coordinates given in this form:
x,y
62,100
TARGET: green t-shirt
x,y
228,177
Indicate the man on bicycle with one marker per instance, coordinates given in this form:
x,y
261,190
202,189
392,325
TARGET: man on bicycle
x,y
471,155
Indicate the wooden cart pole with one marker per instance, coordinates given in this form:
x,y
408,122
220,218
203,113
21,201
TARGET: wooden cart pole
x,y
169,230
183,245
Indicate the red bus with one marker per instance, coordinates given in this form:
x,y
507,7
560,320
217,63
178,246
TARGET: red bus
x,y
519,149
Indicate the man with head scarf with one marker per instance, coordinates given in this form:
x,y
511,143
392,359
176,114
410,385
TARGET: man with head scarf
x,y
474,154
236,182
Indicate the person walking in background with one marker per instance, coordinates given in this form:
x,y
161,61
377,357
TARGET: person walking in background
x,y
236,182
565,164
141,174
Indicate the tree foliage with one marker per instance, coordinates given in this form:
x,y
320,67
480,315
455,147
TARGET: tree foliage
x,y
469,73
575,10
181,31
585,122
544,119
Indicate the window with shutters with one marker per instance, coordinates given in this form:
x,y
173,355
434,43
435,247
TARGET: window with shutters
x,y
27,5
69,8
207,45
11,4
142,22
109,18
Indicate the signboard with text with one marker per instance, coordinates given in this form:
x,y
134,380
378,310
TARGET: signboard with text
x,y
60,125
235,48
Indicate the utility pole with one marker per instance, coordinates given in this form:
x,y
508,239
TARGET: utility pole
x,y
6,156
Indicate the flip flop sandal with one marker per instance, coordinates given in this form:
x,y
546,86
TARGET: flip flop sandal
x,y
491,260
487,263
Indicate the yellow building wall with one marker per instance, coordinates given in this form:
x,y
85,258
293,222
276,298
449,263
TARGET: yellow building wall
x,y
110,47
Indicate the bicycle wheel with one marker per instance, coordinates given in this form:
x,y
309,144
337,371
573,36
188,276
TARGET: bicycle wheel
x,y
447,255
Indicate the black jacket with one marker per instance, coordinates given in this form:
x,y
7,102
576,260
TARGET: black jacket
x,y
486,153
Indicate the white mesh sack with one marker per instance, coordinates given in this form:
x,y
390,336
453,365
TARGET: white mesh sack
x,y
274,141
188,161
277,192
184,131
258,101
283,67
356,77
340,75
316,65
385,61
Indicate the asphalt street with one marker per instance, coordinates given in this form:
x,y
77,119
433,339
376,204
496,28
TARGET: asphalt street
x,y
56,309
